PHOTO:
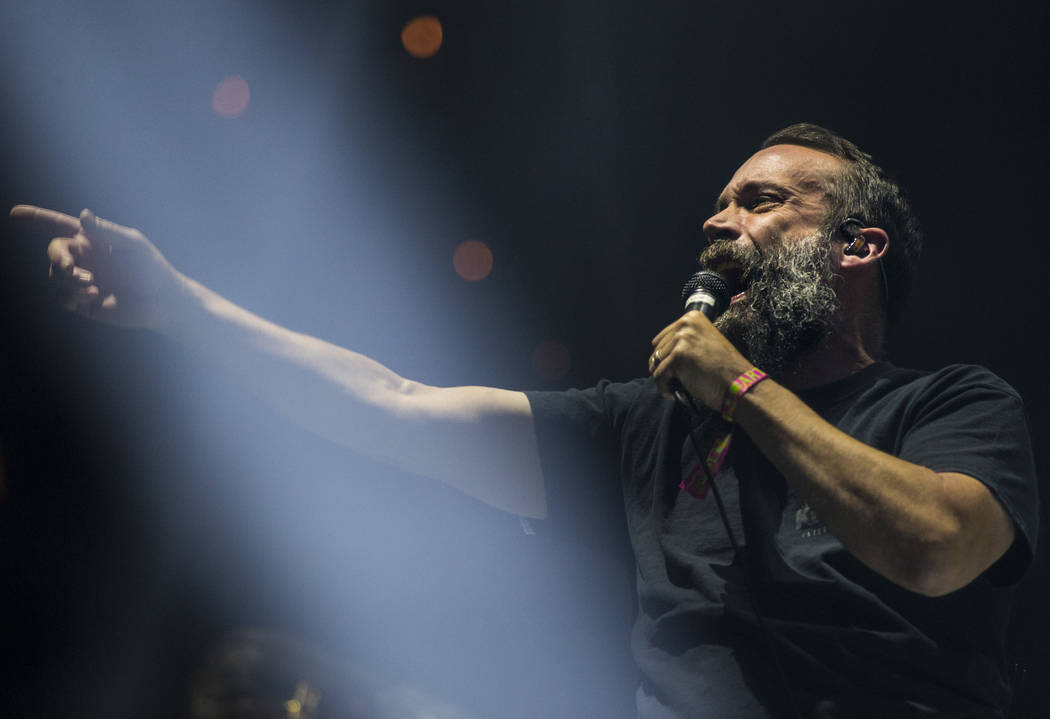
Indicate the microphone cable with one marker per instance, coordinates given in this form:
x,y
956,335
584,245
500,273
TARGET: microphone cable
x,y
687,401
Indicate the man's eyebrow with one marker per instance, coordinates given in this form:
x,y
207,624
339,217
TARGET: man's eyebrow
x,y
748,189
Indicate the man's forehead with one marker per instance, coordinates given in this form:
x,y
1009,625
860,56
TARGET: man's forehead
x,y
798,168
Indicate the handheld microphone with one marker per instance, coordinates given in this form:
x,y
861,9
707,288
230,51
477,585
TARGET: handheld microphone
x,y
709,293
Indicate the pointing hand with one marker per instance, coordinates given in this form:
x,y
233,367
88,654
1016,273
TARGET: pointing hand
x,y
103,270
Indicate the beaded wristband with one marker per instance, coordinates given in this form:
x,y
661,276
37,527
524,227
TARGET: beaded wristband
x,y
738,389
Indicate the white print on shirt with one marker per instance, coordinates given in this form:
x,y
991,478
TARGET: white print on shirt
x,y
807,523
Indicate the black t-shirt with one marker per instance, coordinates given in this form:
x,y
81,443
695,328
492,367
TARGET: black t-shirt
x,y
849,642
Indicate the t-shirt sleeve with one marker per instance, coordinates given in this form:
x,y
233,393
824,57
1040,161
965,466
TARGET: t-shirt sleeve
x,y
579,442
972,422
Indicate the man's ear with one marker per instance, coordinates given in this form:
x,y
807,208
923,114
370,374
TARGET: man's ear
x,y
867,245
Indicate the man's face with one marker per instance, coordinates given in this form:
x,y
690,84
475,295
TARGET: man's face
x,y
778,196
769,233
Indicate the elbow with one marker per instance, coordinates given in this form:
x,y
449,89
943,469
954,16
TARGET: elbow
x,y
934,583
404,399
938,569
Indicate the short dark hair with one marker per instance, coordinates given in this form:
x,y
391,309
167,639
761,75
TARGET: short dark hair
x,y
865,192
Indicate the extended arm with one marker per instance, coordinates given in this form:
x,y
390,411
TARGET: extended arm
x,y
479,440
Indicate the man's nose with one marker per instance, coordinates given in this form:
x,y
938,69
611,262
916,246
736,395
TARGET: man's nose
x,y
722,226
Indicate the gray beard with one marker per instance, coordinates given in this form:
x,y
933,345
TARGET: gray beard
x,y
791,304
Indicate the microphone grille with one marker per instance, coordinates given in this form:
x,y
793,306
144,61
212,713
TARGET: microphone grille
x,y
710,281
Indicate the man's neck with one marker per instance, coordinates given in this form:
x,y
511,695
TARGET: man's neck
x,y
838,357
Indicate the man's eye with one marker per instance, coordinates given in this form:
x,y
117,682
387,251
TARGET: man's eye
x,y
761,200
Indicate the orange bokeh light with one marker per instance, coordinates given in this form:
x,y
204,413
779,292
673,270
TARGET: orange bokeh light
x,y
231,96
472,260
551,360
422,36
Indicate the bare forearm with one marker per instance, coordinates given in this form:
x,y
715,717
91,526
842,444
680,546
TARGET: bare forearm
x,y
478,440
312,381
891,514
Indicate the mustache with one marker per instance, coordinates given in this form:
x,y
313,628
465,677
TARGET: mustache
x,y
738,263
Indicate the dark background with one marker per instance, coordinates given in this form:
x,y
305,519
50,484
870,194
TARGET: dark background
x,y
584,142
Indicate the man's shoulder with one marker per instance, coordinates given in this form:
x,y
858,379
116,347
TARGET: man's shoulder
x,y
885,392
962,396
953,379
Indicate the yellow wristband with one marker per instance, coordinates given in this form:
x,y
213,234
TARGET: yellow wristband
x,y
738,389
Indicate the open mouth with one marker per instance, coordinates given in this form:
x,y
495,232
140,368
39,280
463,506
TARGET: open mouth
x,y
730,261
734,277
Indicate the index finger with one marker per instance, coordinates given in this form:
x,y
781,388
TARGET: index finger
x,y
51,221
687,317
664,332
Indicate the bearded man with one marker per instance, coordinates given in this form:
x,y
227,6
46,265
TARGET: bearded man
x,y
817,533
